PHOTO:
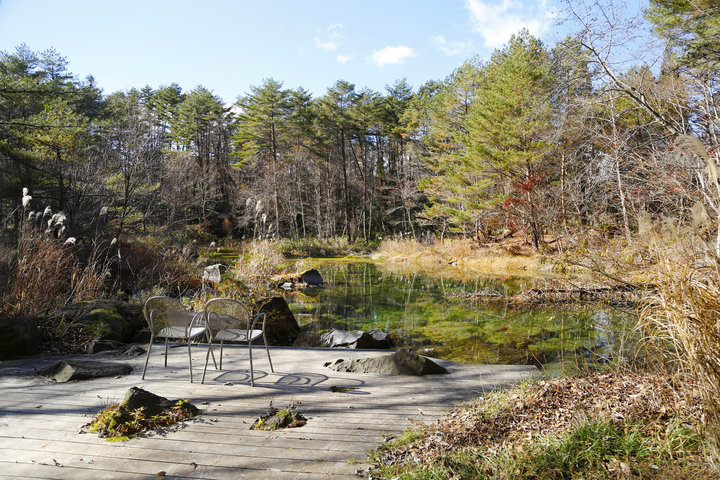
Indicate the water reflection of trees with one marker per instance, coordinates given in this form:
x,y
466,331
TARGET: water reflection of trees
x,y
423,313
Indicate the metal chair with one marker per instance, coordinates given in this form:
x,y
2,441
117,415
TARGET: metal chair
x,y
168,318
228,320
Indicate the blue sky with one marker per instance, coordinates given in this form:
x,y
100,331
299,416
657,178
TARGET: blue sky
x,y
227,45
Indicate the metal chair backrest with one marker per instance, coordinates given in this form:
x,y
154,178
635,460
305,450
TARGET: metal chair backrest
x,y
226,313
162,312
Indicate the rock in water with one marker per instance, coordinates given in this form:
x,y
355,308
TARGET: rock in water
x,y
374,339
378,339
312,277
398,363
67,370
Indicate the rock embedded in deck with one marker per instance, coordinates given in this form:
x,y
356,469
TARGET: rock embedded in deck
x,y
69,370
398,363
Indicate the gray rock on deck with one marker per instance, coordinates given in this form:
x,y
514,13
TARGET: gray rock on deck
x,y
40,420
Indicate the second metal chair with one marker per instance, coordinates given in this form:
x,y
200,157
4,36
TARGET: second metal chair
x,y
228,320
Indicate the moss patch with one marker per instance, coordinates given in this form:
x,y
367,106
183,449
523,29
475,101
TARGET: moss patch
x,y
117,422
275,419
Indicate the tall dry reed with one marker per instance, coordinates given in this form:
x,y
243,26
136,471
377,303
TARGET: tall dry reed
x,y
42,275
684,318
261,260
48,275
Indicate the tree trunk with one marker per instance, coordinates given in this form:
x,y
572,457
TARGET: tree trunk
x,y
562,193
626,223
276,201
345,185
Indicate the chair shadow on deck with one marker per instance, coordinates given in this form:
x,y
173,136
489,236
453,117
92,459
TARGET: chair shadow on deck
x,y
298,381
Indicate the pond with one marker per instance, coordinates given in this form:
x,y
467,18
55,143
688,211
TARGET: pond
x,y
435,317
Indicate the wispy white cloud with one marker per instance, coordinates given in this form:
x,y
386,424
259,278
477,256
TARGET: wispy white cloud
x,y
392,55
496,21
344,58
330,40
328,46
334,30
451,48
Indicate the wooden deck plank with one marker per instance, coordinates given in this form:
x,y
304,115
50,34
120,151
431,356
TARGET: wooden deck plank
x,y
40,421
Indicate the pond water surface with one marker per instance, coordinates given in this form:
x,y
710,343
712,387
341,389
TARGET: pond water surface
x,y
433,316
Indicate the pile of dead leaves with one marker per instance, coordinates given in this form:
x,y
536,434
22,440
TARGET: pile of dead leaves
x,y
550,407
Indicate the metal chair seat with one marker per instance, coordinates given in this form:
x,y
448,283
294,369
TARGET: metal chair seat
x,y
179,332
235,335
228,320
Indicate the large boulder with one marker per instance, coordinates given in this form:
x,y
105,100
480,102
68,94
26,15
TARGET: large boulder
x,y
19,336
398,363
281,327
311,277
374,339
67,370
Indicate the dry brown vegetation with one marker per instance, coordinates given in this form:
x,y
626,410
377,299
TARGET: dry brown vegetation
x,y
494,436
461,258
48,274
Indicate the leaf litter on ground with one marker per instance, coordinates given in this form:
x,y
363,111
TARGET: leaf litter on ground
x,y
514,420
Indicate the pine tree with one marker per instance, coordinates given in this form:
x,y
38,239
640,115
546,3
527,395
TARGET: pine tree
x,y
262,130
496,140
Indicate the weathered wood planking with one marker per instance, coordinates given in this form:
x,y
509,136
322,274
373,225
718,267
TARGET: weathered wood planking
x,y
40,421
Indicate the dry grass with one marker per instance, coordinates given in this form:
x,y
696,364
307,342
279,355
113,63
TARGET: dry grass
x,y
43,275
461,259
164,269
573,427
682,320
260,261
48,274
685,315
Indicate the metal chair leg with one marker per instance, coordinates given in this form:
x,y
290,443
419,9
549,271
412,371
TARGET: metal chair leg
x,y
212,352
190,359
166,350
147,357
222,342
252,376
267,350
207,360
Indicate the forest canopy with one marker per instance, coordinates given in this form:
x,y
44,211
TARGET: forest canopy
x,y
540,140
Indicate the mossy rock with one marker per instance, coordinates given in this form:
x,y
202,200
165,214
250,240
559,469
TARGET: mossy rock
x,y
277,419
105,319
139,411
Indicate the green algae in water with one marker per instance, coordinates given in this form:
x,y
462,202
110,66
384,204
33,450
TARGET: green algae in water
x,y
432,317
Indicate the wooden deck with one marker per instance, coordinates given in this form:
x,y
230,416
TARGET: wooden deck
x,y
40,421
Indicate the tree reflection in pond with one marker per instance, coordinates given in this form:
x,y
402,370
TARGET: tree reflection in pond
x,y
432,316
